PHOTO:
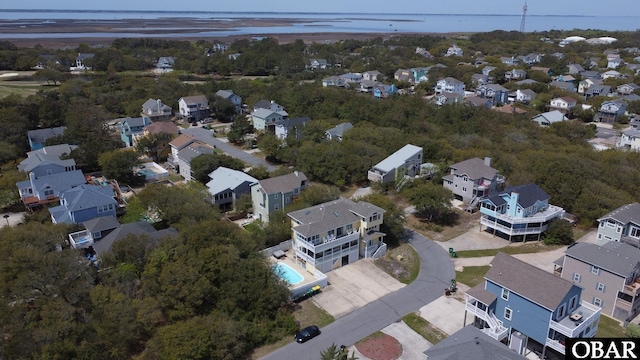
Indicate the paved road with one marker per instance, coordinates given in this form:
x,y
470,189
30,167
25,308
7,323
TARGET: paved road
x,y
205,136
436,271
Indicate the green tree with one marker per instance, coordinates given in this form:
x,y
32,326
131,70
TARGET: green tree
x,y
393,224
335,353
560,232
259,172
155,146
118,164
318,194
432,201
203,165
50,76
240,127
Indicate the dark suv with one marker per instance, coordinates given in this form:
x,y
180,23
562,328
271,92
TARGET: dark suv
x,y
307,333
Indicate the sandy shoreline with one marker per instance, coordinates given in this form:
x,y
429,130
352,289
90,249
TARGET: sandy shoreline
x,y
186,28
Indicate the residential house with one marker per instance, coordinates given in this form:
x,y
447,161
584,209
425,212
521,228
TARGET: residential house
x,y
611,110
591,75
527,82
37,138
481,79
568,86
585,84
448,99
472,179
334,81
165,64
42,190
612,74
419,74
188,153
509,109
471,343
423,52
132,127
530,58
515,75
274,194
404,162
620,225
487,70
156,110
519,211
403,75
479,102
609,275
372,75
545,70
614,63
315,64
81,62
234,56
49,160
627,89
94,229
630,137
558,55
383,91
525,96
165,130
454,50
291,126
193,108
564,104
269,105
510,60
480,60
526,306
336,233
46,61
141,229
336,133
266,119
351,78
233,98
574,69
547,118
177,145
449,85
84,202
495,92
227,185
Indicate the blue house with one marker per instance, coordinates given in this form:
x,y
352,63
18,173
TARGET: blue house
x,y
82,203
132,127
384,91
519,211
38,137
530,307
47,189
48,160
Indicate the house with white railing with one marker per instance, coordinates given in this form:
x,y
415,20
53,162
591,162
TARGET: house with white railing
x,y
519,211
521,304
472,179
337,233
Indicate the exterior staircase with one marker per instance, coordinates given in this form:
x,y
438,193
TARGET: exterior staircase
x,y
472,204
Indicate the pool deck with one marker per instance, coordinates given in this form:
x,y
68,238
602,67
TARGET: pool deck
x,y
288,260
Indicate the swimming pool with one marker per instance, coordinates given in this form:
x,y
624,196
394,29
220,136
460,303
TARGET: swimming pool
x,y
147,172
286,273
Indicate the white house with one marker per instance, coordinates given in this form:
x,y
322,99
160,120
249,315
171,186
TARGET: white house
x,y
454,50
194,108
450,85
548,118
564,104
404,162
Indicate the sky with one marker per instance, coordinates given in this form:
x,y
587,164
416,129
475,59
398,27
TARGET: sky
x,y
507,7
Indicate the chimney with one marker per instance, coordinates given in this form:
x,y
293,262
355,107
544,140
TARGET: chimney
x,y
487,161
32,177
159,104
297,173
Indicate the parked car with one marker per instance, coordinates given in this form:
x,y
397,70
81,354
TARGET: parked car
x,y
307,333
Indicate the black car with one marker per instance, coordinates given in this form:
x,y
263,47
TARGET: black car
x,y
307,333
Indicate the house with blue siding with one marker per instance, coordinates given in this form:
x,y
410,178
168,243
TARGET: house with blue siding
x,y
519,211
84,202
49,160
131,127
384,90
518,301
273,194
42,190
38,137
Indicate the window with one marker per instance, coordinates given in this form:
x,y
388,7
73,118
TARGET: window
x,y
576,277
349,227
275,196
635,232
505,294
600,287
611,224
561,310
287,200
573,303
597,302
48,192
595,270
507,313
276,207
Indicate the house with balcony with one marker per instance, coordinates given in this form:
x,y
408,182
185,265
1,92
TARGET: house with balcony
x,y
165,64
471,343
334,81
627,89
447,99
43,190
141,229
273,194
227,185
267,118
609,275
193,108
622,224
525,96
519,211
336,233
495,92
403,75
630,137
449,85
383,91
515,75
156,110
236,100
519,303
597,90
564,104
404,162
37,138
94,229
187,154
49,160
132,127
454,50
81,62
84,202
472,179
510,60
611,110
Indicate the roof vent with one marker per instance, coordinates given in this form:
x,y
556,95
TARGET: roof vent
x,y
336,213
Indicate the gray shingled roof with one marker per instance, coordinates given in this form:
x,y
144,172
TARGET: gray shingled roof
x,y
475,169
224,178
262,104
88,196
485,296
195,99
471,343
137,228
528,281
192,151
225,93
48,154
100,224
41,135
331,215
339,129
614,256
528,194
283,184
625,214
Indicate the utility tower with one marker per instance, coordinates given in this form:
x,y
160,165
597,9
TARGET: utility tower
x,y
524,15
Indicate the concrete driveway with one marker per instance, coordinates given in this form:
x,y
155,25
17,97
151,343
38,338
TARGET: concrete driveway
x,y
474,239
354,286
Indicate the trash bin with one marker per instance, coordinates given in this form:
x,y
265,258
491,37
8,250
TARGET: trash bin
x,y
450,250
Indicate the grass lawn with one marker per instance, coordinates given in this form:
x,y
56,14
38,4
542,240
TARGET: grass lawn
x,y
402,262
511,250
306,314
472,275
610,328
424,328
